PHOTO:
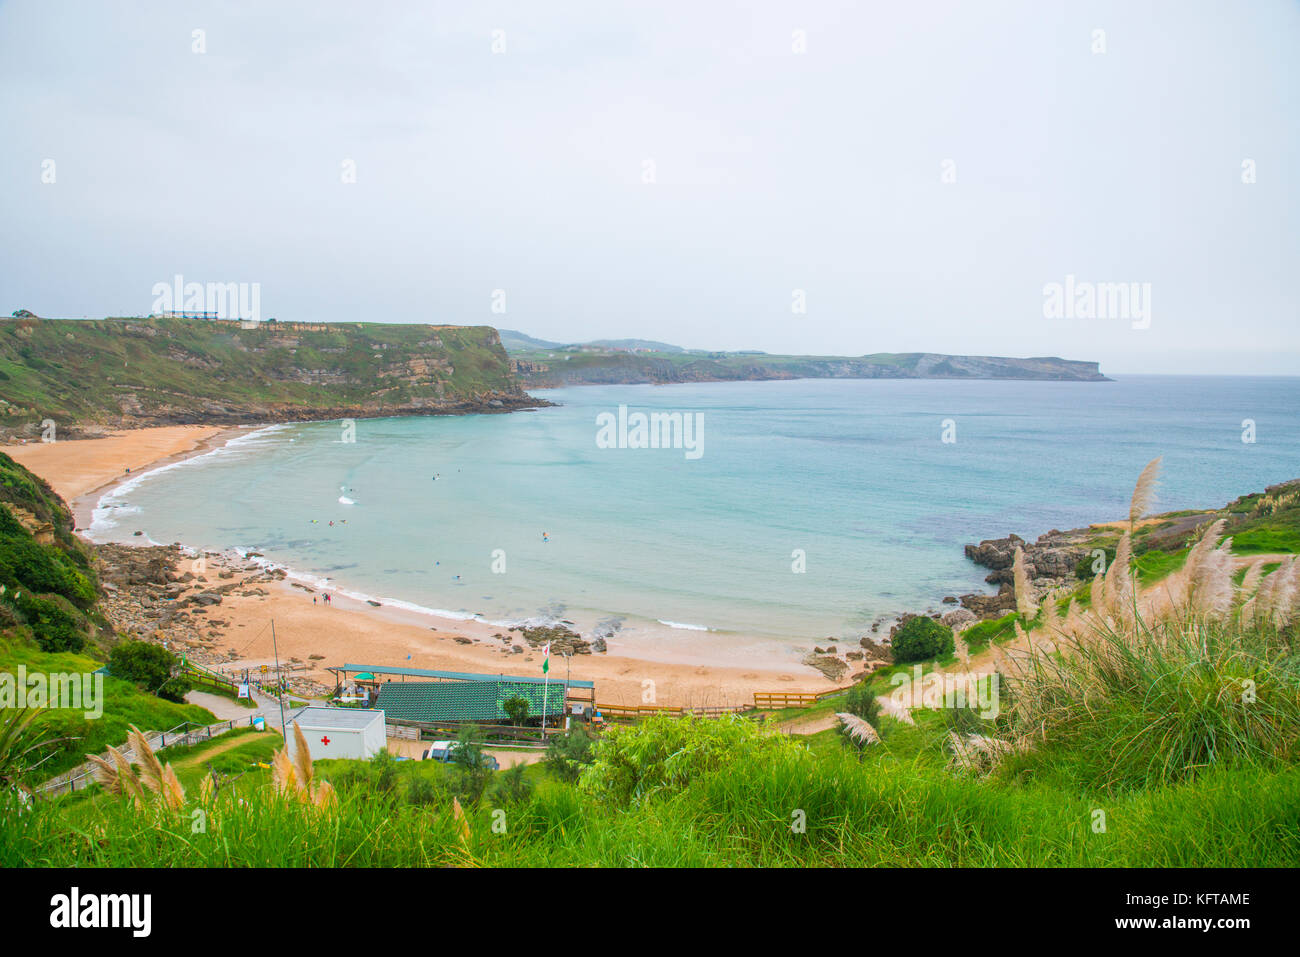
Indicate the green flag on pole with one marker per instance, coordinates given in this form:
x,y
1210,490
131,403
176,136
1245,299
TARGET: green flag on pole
x,y
546,660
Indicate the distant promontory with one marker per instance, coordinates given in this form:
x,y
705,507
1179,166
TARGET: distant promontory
x,y
541,364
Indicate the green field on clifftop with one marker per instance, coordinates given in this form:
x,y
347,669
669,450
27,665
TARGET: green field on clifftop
x,y
135,372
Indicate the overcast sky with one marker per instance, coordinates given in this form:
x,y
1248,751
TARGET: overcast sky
x,y
774,170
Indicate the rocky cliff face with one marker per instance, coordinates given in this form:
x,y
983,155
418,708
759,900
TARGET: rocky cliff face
x,y
88,376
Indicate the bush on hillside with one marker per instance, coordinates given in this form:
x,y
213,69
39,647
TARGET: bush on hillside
x,y
152,667
634,763
921,638
421,791
471,763
512,787
55,622
568,753
861,701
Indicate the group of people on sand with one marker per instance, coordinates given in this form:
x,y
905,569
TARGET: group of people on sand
x,y
325,596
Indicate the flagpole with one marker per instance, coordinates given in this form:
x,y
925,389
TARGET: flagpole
x,y
546,686
279,681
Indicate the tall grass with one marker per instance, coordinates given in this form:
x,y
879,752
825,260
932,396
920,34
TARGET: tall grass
x,y
1146,690
1146,704
848,812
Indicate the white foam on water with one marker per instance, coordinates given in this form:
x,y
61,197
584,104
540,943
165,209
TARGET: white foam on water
x,y
114,502
683,626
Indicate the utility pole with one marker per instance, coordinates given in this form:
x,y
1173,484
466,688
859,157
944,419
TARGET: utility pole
x,y
568,660
279,681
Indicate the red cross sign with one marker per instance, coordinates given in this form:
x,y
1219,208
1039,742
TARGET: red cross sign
x,y
325,740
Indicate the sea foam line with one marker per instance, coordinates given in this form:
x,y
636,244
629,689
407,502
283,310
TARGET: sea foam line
x,y
683,626
325,583
114,499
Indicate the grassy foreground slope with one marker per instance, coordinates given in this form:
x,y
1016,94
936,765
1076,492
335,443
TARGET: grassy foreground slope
x,y
794,803
83,374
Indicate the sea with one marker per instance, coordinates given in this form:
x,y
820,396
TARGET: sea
x,y
774,514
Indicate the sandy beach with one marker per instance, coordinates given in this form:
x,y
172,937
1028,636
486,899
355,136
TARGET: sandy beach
x,y
319,635
84,470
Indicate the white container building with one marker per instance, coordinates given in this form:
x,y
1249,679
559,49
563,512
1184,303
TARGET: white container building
x,y
339,733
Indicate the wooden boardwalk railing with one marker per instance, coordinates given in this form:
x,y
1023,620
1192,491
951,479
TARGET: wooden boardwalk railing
x,y
773,700
763,701
646,710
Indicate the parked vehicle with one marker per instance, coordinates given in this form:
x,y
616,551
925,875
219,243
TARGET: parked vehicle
x,y
445,751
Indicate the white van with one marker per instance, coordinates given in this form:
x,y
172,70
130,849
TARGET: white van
x,y
438,751
445,751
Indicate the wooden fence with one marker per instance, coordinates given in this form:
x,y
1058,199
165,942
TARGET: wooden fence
x,y
646,710
201,679
763,701
774,700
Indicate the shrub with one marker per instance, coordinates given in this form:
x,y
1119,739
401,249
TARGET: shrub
x,y
473,772
512,787
54,622
26,565
383,771
151,667
921,638
568,753
634,763
421,791
517,710
861,701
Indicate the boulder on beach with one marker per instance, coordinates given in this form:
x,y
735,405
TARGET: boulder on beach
x,y
958,617
832,667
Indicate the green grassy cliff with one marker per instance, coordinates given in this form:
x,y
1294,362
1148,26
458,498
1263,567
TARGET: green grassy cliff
x,y
548,365
48,584
89,375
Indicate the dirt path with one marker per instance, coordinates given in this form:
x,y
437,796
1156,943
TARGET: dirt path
x,y
208,754
809,724
222,708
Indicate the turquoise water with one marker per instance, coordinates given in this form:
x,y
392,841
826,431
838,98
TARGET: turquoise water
x,y
655,546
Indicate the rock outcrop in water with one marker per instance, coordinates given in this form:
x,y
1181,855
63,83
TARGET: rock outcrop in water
x,y
1055,555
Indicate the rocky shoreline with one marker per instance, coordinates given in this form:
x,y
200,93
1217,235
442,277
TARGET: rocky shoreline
x,y
228,417
151,592
1051,562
